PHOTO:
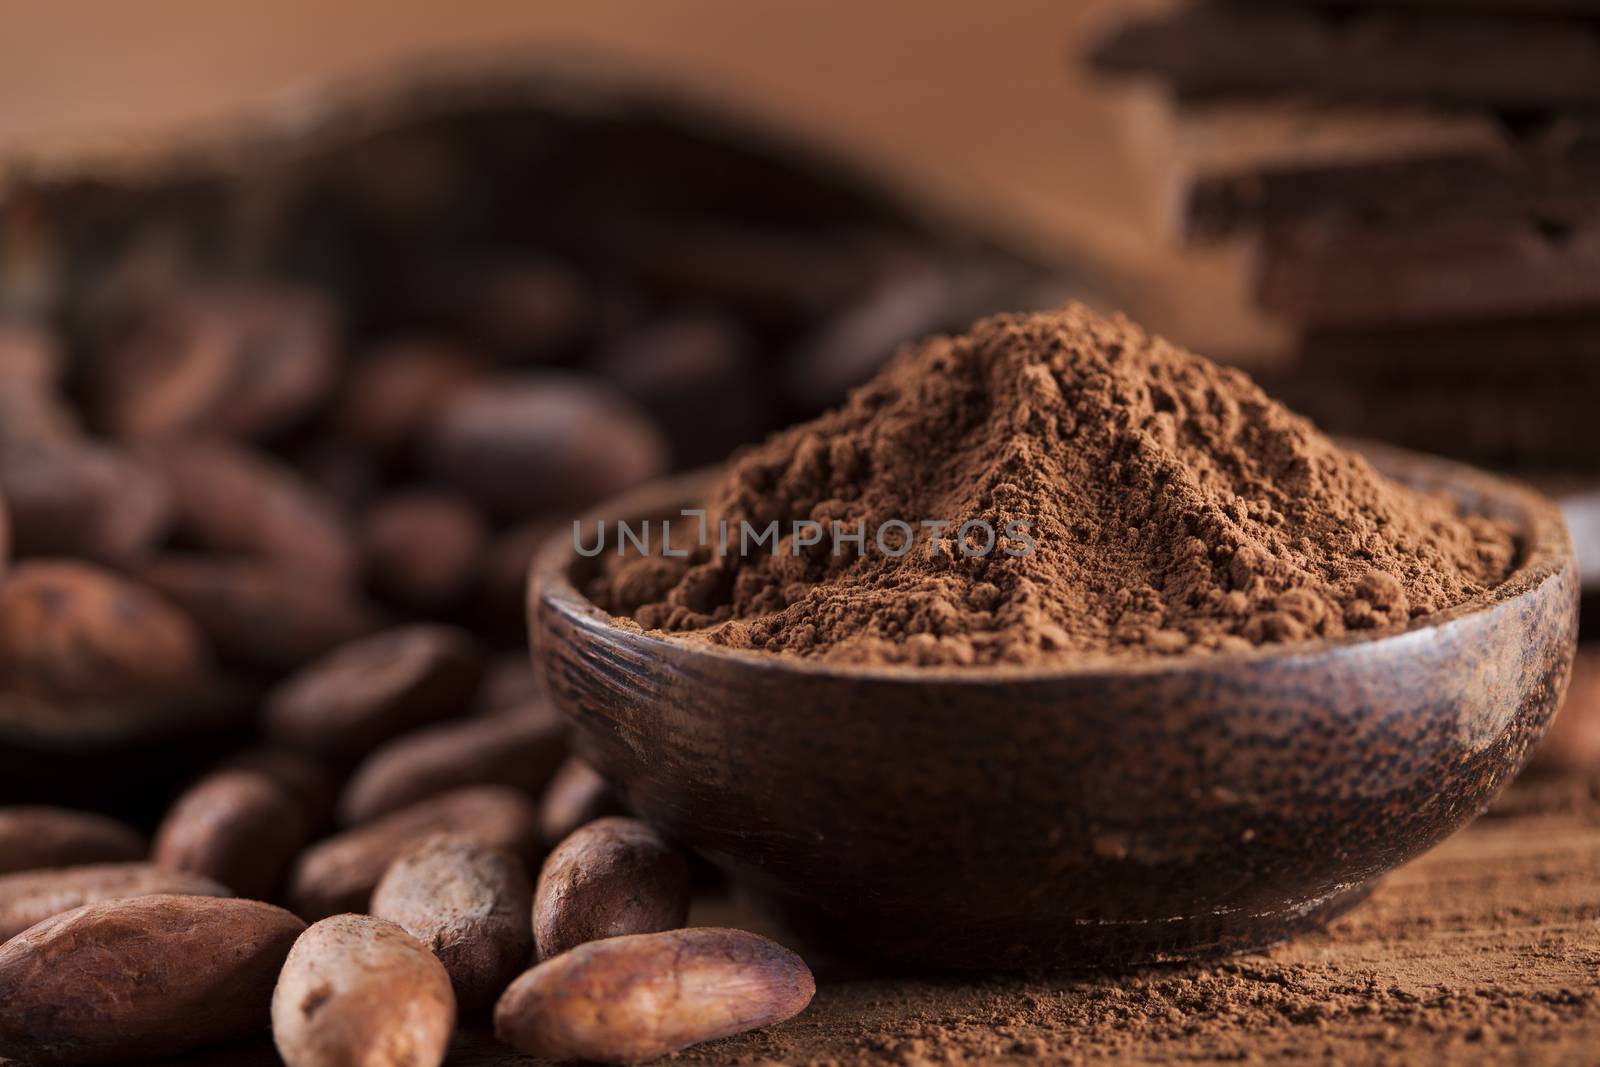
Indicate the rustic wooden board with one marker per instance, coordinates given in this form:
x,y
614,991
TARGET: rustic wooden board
x,y
1485,951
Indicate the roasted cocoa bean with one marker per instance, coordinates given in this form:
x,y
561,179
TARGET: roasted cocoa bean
x,y
423,550
242,360
526,445
375,689
339,874
28,897
393,394
360,990
469,904
236,827
72,633
522,752
130,979
260,614
75,498
230,499
611,877
576,795
34,837
632,999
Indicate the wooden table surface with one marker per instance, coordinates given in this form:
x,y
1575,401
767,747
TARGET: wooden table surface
x,y
1487,950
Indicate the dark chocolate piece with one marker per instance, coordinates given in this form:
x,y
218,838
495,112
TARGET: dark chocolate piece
x,y
1331,275
1496,353
1548,424
1239,166
1511,63
1495,7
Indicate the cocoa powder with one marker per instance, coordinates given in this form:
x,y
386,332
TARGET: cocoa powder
x,y
1165,504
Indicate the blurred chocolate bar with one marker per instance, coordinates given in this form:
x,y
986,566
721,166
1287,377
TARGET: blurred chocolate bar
x,y
1344,276
1506,353
1237,167
1415,185
1495,7
1548,426
1514,64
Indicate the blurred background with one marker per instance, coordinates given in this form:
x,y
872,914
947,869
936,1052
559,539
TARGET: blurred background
x,y
314,318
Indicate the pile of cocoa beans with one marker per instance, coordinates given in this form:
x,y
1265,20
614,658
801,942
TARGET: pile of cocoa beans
x,y
417,920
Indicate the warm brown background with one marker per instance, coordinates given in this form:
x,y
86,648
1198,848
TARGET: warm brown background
x,y
978,103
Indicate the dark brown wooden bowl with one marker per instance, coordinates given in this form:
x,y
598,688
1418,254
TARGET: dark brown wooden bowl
x,y
1004,817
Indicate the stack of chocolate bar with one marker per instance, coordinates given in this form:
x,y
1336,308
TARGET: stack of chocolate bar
x,y
1419,184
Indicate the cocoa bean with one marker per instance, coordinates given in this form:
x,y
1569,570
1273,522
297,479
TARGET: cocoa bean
x,y
611,877
375,689
30,356
517,751
313,785
576,795
470,905
34,416
34,837
696,377
528,311
526,445
360,990
512,686
261,614
393,394
423,549
632,999
28,897
232,500
72,633
137,978
236,827
243,360
339,874
74,498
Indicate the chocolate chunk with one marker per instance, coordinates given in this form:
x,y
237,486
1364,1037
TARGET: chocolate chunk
x,y
1334,276
1413,387
1232,165
1457,58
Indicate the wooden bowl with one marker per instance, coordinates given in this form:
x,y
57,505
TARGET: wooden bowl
x,y
1007,816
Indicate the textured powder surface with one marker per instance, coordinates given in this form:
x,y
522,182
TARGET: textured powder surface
x,y
1171,505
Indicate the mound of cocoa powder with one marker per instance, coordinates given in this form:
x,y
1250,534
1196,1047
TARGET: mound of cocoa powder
x,y
1172,506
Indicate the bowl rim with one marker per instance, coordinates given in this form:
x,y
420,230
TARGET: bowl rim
x,y
1543,540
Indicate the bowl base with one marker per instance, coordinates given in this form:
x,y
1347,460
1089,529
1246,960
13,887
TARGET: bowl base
x,y
1082,946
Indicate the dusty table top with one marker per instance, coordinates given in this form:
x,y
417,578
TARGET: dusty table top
x,y
1487,950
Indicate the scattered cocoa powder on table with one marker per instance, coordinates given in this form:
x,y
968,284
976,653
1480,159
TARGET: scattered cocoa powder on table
x,y
1170,505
